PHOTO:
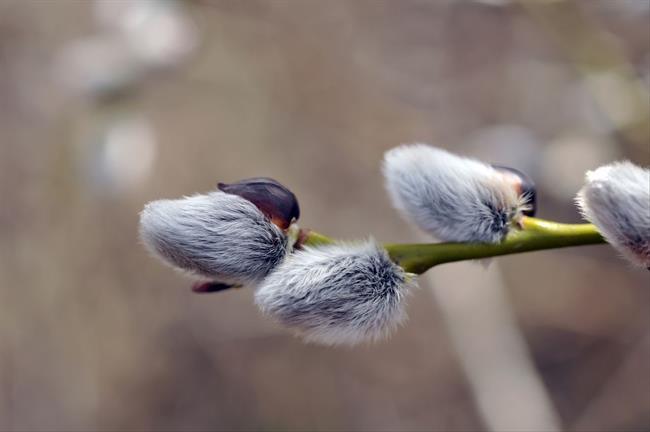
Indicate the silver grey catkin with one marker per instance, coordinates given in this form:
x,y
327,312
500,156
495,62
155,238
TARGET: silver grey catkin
x,y
451,197
336,294
218,236
616,198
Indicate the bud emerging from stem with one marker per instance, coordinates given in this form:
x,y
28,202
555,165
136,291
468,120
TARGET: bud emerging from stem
x,y
219,236
454,198
336,294
616,198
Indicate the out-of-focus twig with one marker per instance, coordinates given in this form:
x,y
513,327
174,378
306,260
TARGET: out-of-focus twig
x,y
509,393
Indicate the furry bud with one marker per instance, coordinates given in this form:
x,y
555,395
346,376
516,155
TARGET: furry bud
x,y
453,198
336,294
273,199
616,198
219,236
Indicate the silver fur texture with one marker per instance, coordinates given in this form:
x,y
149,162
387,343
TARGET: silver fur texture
x,y
218,236
337,294
453,198
616,198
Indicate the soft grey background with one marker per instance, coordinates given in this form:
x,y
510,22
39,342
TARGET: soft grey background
x,y
96,335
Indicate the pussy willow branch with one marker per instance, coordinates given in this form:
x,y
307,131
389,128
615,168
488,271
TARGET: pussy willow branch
x,y
532,235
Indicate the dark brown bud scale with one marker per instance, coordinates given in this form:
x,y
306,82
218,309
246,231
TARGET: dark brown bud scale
x,y
273,199
210,287
524,186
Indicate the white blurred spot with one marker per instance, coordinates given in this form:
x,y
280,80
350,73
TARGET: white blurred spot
x,y
137,37
128,153
566,159
158,32
98,65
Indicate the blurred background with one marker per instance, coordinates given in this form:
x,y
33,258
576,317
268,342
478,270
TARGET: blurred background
x,y
106,105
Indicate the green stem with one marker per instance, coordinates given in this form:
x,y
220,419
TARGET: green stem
x,y
534,234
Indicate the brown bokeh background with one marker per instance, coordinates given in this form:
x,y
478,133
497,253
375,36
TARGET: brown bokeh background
x,y
97,335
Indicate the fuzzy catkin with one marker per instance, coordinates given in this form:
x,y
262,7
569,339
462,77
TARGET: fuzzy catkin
x,y
218,236
451,197
616,198
336,294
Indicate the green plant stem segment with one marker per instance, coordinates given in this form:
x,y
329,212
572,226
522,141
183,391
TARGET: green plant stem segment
x,y
532,234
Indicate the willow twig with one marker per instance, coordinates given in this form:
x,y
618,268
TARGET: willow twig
x,y
532,234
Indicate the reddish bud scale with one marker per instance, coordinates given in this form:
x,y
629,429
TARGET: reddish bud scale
x,y
272,198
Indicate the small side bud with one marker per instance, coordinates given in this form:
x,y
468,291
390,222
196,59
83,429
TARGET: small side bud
x,y
211,287
616,198
524,186
454,198
273,199
218,236
336,294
